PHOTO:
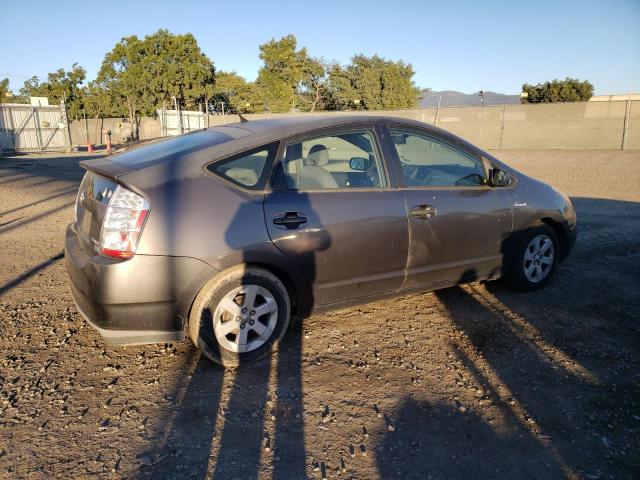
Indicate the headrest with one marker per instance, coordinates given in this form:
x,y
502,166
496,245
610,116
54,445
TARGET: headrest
x,y
318,156
245,176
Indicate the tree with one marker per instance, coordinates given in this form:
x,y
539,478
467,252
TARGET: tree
x,y
313,95
102,102
145,74
288,75
372,83
6,96
238,95
568,90
60,85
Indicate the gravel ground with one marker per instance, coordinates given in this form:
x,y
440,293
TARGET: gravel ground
x,y
469,382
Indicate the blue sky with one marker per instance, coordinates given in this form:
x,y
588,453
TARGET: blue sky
x,y
463,45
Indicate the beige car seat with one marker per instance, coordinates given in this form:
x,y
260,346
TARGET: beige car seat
x,y
312,174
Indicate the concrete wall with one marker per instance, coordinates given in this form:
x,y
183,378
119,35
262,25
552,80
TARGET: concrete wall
x,y
611,98
588,125
120,130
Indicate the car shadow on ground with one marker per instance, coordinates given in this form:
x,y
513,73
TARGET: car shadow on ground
x,y
541,409
533,425
537,358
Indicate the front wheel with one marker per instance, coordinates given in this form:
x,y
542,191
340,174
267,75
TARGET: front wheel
x,y
535,259
239,316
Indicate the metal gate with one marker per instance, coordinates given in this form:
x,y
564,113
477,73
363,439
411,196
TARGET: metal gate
x,y
26,128
174,122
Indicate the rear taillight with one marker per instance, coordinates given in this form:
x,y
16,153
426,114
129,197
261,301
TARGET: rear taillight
x,y
122,224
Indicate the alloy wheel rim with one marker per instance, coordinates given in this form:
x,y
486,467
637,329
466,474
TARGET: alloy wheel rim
x,y
245,318
538,258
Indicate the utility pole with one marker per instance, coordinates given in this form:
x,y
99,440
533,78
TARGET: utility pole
x,y
86,125
481,93
625,126
224,119
178,116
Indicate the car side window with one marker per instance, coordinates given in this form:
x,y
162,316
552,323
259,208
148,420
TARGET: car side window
x,y
246,169
429,162
346,159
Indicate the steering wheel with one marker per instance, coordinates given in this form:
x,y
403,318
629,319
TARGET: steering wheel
x,y
373,176
410,171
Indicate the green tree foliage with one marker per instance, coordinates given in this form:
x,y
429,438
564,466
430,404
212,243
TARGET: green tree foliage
x,y
102,102
144,74
289,76
568,90
313,90
238,95
140,75
6,95
60,85
286,77
372,83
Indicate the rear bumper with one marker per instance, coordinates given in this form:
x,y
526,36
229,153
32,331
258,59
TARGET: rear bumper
x,y
145,299
123,337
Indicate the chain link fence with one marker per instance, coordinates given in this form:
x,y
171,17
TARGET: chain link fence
x,y
587,125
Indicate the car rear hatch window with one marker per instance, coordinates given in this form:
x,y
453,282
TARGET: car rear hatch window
x,y
161,150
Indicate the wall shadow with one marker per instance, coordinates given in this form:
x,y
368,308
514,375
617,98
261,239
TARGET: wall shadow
x,y
12,225
47,168
73,190
30,273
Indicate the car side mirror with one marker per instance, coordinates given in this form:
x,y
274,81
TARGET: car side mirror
x,y
360,164
499,178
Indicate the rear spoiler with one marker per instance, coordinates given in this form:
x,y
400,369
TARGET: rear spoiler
x,y
106,167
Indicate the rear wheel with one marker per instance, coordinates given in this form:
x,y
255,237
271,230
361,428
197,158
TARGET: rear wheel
x,y
240,315
535,259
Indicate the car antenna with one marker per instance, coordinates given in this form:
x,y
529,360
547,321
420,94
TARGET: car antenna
x,y
242,119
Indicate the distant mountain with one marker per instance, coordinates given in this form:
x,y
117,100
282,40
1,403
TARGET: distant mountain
x,y
451,98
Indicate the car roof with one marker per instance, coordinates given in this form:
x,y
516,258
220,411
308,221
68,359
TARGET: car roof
x,y
281,127
255,133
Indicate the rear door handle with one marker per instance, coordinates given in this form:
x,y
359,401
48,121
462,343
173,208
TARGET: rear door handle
x,y
423,212
290,220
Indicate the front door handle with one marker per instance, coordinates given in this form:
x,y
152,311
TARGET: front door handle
x,y
423,212
291,220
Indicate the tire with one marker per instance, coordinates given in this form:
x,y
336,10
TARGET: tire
x,y
535,260
260,323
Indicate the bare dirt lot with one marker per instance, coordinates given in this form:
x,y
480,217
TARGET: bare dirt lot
x,y
470,382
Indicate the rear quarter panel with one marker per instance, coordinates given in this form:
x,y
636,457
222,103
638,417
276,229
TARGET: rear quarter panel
x,y
196,214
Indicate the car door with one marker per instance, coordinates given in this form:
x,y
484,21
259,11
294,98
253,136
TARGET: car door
x,y
457,221
332,211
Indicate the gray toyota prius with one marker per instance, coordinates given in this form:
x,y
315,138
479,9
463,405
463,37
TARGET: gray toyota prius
x,y
232,233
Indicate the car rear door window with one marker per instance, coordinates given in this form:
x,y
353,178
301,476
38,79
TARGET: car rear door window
x,y
429,162
347,159
247,169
